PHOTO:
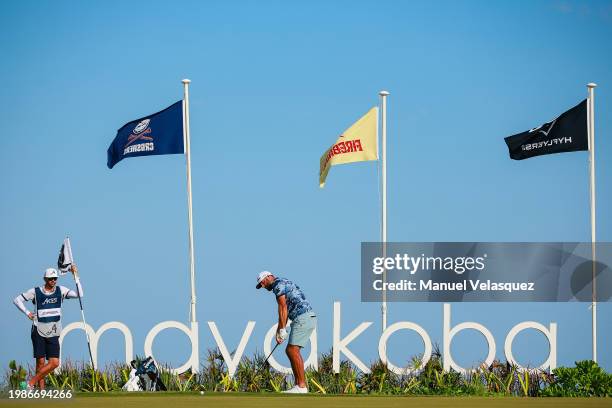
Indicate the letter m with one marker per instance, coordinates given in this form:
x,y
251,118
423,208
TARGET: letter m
x,y
94,337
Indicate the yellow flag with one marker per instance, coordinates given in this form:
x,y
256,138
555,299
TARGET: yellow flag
x,y
357,143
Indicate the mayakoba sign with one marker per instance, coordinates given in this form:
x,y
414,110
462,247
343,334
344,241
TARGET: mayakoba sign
x,y
340,344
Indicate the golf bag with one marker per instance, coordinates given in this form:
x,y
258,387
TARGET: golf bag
x,y
144,377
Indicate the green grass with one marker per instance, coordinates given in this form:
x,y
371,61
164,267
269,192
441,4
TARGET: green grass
x,y
267,400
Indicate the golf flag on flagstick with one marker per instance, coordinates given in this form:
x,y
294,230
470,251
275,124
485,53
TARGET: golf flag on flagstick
x,y
566,133
65,261
357,143
159,133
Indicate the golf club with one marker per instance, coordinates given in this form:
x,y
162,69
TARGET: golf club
x,y
269,355
265,363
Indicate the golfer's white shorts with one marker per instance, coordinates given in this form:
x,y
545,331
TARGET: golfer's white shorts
x,y
301,329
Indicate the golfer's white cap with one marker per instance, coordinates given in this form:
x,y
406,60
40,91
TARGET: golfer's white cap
x,y
50,273
262,275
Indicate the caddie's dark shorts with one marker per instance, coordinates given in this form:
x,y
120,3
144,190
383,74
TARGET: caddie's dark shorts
x,y
48,347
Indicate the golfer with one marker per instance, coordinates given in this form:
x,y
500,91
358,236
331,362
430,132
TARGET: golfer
x,y
46,321
292,304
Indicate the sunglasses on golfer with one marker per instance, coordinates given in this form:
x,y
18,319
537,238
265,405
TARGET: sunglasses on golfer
x,y
51,279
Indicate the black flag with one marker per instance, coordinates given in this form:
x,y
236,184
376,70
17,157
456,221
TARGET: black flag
x,y
566,133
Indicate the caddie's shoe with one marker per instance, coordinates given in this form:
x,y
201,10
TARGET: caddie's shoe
x,y
296,390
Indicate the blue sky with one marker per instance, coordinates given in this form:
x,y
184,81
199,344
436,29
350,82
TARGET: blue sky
x,y
273,84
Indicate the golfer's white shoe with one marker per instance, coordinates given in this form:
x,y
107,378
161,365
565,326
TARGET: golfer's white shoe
x,y
296,390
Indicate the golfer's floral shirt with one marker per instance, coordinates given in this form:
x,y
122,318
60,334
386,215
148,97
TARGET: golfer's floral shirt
x,y
296,301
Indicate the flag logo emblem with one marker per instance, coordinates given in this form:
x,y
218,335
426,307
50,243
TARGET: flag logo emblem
x,y
142,126
142,131
545,128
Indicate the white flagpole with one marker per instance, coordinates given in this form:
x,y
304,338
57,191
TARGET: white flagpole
x,y
187,143
383,96
591,132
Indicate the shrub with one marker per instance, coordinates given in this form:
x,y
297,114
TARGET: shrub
x,y
587,379
16,375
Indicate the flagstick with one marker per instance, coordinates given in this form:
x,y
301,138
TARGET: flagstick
x,y
189,207
383,96
591,130
69,249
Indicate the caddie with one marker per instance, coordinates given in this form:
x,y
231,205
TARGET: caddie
x,y
46,321
292,304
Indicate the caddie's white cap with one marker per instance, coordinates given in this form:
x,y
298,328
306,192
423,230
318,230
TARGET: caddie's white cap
x,y
50,273
262,275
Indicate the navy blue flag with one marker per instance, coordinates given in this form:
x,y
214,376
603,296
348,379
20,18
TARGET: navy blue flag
x,y
160,133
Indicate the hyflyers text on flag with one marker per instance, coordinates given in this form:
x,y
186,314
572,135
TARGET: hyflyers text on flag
x,y
357,143
159,133
566,133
